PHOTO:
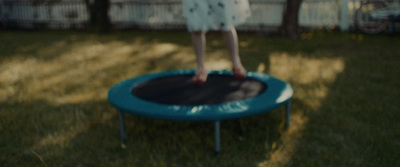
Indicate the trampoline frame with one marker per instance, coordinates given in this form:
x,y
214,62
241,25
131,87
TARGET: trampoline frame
x,y
125,87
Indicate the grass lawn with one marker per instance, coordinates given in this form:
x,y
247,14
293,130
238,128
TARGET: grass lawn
x,y
54,109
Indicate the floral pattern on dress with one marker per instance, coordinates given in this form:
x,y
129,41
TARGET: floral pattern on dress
x,y
206,15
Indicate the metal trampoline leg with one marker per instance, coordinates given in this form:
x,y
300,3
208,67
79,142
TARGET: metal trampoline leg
x,y
217,129
122,126
288,106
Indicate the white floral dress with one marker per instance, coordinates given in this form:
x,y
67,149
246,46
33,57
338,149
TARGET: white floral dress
x,y
206,15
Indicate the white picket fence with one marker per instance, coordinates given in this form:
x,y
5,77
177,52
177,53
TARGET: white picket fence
x,y
266,14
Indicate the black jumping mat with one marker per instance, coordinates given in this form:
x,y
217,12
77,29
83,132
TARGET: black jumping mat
x,y
180,90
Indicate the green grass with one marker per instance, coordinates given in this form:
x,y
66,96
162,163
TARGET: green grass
x,y
54,109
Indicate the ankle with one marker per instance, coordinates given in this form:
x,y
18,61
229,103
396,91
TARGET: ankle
x,y
201,70
238,66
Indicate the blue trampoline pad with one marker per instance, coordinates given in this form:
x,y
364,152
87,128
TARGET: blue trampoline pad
x,y
170,95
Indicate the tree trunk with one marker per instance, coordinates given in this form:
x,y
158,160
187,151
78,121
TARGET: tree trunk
x,y
99,20
290,27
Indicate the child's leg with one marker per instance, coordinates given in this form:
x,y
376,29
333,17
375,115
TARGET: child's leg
x,y
231,41
199,45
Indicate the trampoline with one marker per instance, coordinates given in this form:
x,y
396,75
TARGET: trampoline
x,y
170,95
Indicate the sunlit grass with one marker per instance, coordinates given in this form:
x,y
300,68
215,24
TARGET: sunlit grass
x,y
54,109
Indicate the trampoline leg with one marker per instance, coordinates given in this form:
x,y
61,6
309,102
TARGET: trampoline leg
x,y
288,105
122,126
217,129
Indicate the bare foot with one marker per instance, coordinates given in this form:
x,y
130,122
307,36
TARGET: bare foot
x,y
200,77
239,72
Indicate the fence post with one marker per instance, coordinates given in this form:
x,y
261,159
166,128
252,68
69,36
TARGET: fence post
x,y
344,15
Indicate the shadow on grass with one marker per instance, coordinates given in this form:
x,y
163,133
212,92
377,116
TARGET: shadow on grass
x,y
354,122
40,133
